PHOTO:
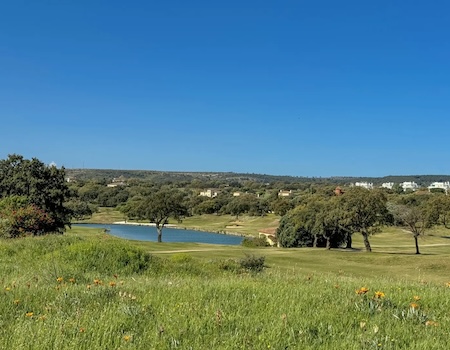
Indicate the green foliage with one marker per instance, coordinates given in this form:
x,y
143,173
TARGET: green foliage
x,y
17,218
254,242
252,263
43,186
158,207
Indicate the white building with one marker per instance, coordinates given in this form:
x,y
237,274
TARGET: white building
x,y
388,185
441,185
211,193
368,185
409,185
284,193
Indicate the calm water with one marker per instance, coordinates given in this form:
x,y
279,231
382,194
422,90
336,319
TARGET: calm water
x,y
148,233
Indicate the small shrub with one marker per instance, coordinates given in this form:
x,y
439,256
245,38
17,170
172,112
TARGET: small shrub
x,y
253,263
252,242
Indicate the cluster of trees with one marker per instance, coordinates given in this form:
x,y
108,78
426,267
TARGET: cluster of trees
x,y
36,199
331,221
32,197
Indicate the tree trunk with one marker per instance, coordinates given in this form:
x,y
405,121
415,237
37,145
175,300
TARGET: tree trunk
x,y
159,230
349,241
328,243
366,241
417,244
315,241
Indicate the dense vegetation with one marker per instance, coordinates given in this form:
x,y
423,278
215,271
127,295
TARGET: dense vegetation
x,y
32,197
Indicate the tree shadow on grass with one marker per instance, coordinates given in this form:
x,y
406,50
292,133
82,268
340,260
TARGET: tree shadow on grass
x,y
405,253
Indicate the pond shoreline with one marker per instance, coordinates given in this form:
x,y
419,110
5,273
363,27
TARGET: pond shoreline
x,y
166,226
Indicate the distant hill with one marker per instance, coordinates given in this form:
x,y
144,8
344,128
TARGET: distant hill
x,y
174,176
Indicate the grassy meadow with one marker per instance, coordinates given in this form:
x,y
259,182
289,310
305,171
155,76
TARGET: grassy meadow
x,y
89,290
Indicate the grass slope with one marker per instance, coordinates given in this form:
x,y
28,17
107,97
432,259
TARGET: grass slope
x,y
88,290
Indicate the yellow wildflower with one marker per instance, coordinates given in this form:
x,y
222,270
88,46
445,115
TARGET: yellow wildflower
x,y
29,314
431,323
16,302
416,297
82,330
126,337
112,284
59,279
72,280
379,295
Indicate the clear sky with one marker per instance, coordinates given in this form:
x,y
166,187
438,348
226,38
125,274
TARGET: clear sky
x,y
306,88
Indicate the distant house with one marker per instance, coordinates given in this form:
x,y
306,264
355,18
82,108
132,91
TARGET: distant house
x,y
388,185
210,193
237,194
368,185
440,185
409,185
121,178
284,193
270,235
116,184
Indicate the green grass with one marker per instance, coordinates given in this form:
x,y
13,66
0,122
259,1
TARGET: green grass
x,y
178,296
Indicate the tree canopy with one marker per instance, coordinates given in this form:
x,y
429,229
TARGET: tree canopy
x,y
158,207
42,188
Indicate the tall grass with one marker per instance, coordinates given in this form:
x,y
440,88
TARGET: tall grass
x,y
98,292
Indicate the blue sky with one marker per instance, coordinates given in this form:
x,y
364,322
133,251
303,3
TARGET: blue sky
x,y
306,88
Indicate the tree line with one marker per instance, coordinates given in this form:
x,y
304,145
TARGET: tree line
x,y
35,198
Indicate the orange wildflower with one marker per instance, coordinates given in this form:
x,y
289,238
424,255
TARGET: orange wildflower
x,y
59,279
362,290
414,305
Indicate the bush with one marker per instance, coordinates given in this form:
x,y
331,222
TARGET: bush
x,y
252,263
255,242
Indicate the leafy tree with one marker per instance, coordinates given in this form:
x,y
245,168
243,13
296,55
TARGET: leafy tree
x,y
363,211
80,209
437,211
158,207
43,186
413,218
281,206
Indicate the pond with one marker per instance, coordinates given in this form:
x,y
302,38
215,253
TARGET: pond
x,y
148,233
